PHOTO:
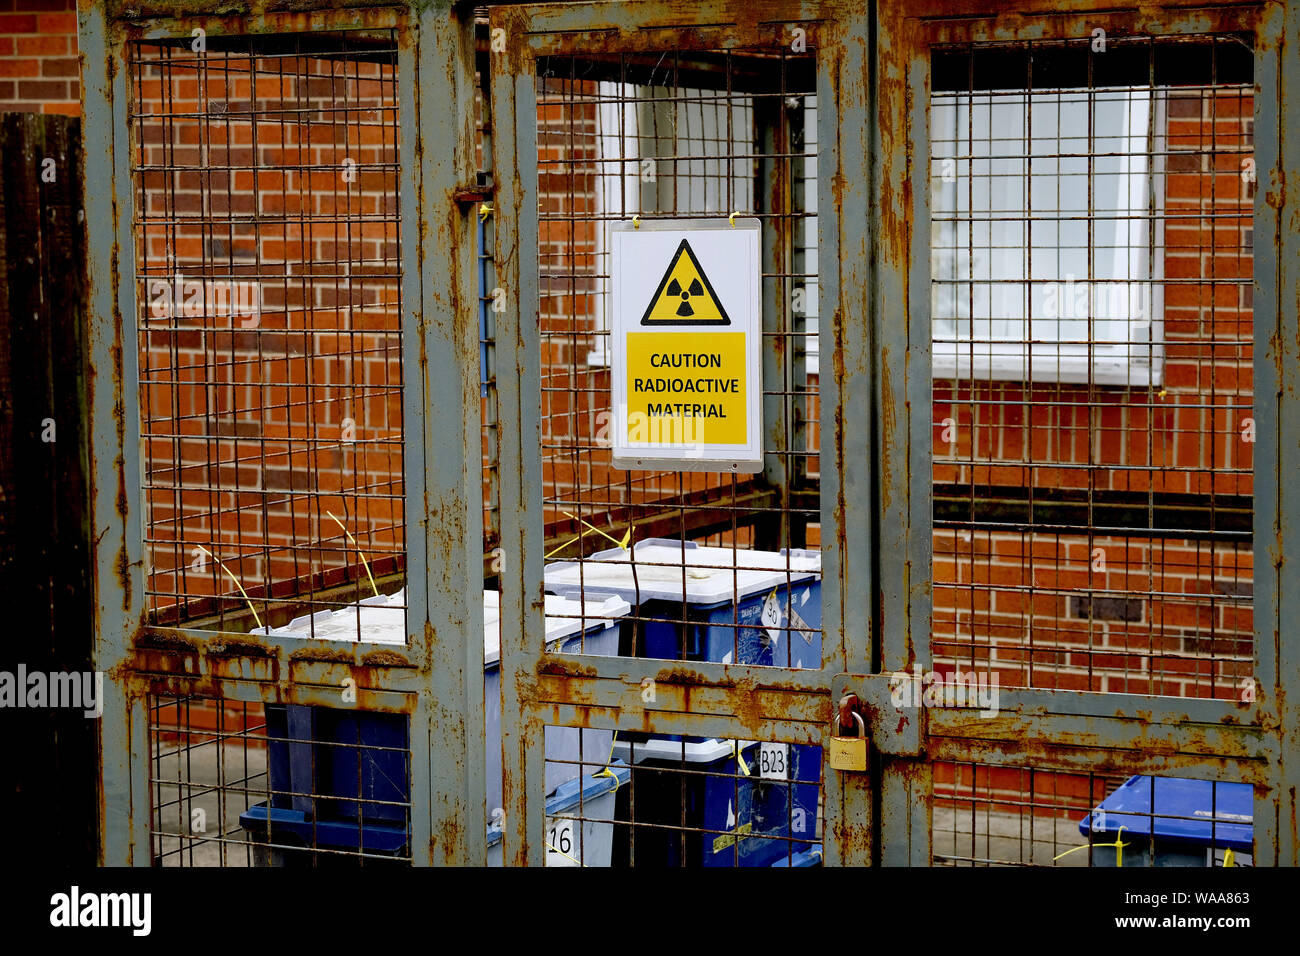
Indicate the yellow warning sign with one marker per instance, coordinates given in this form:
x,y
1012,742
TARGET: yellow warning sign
x,y
686,335
685,296
686,387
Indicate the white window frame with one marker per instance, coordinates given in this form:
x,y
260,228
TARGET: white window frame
x,y
1112,326
620,141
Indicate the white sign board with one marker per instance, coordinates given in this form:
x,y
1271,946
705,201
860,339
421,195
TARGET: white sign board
x,y
686,371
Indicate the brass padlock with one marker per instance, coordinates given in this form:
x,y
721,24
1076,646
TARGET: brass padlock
x,y
850,753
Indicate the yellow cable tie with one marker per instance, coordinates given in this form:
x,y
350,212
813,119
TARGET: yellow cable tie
x,y
565,545
364,563
1119,845
610,537
732,218
740,760
484,210
608,771
636,222
223,567
563,854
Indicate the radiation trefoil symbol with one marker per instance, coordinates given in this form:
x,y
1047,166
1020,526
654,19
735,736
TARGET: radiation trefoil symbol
x,y
685,296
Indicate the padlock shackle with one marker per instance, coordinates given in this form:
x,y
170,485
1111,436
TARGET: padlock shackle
x,y
862,726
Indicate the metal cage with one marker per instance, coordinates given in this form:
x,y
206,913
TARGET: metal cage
x,y
1027,349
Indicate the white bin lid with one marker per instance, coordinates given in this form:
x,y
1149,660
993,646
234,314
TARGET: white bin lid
x,y
712,575
383,620
564,618
701,751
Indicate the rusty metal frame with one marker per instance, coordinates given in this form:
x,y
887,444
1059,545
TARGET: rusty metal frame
x,y
874,228
437,677
873,64
696,698
1069,730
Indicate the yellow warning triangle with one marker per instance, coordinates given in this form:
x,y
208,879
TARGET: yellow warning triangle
x,y
685,296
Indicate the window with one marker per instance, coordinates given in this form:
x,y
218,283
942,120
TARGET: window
x,y
685,154
1045,235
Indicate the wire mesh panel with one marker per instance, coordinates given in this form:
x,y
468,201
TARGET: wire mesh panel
x,y
712,566
700,135
268,266
289,373
1006,816
1092,344
268,277
237,784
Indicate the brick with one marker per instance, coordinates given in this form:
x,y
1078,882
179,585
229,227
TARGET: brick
x,y
61,66
41,46
43,89
20,68
51,23
12,23
1185,106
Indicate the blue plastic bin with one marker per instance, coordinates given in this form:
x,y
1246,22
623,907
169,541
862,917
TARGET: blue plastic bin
x,y
805,858
1171,821
289,837
565,746
579,818
355,763
728,605
579,828
696,806
336,764
707,604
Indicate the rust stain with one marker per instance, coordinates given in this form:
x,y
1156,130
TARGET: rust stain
x,y
385,658
166,641
888,431
564,669
747,705
323,655
449,836
227,646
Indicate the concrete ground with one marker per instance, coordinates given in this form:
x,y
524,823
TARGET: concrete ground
x,y
200,792
963,838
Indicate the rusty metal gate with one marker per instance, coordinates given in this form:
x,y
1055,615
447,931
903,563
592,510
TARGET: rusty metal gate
x,y
284,321
1028,292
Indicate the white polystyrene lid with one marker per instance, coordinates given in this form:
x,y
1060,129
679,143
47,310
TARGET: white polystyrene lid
x,y
564,618
383,620
380,620
711,575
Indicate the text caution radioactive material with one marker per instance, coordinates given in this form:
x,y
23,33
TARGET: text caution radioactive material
x,y
686,333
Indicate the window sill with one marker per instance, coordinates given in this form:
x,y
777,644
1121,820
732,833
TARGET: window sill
x,y
1120,365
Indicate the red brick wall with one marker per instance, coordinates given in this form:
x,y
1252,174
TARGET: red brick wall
x,y
1013,602
38,57
258,427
